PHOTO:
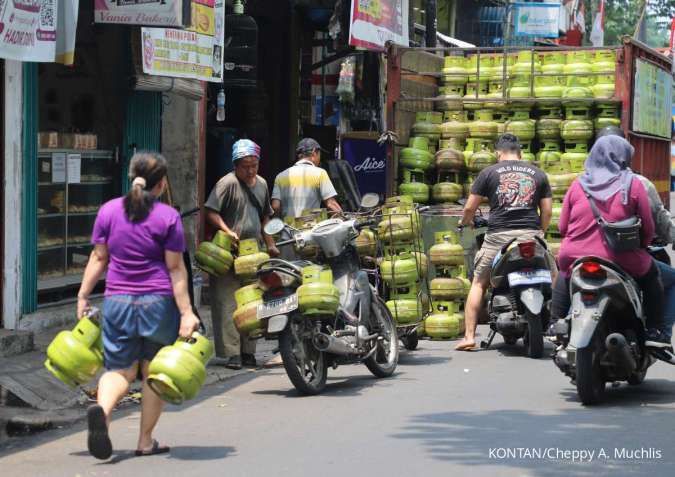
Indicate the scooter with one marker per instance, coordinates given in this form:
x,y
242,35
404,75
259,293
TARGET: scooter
x,y
603,338
359,330
520,294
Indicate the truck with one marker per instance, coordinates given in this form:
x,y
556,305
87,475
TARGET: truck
x,y
642,94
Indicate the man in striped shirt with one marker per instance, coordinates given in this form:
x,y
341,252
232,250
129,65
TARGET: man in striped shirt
x,y
304,185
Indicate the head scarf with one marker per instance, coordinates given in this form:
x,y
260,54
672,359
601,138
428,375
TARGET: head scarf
x,y
244,148
606,169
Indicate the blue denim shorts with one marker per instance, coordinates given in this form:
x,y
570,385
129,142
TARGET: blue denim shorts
x,y
136,327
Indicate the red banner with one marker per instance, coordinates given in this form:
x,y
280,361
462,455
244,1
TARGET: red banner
x,y
375,22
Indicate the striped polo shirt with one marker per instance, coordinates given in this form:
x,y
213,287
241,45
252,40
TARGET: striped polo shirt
x,y
302,186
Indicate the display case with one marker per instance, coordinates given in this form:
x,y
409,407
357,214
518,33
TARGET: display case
x,y
72,185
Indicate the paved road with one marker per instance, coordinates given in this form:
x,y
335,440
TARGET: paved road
x,y
440,416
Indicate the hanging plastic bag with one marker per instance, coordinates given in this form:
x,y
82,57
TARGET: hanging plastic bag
x,y
345,89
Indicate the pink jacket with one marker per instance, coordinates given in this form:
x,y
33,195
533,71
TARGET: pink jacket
x,y
582,235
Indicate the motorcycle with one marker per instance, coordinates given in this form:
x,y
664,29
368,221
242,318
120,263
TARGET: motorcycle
x,y
362,330
603,338
519,297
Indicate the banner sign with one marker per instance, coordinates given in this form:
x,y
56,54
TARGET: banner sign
x,y
374,22
38,30
652,100
369,162
172,13
195,53
537,19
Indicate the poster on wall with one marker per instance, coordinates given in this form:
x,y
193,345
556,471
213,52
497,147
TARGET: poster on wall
x,y
369,162
537,19
375,22
40,31
28,30
652,100
170,13
196,52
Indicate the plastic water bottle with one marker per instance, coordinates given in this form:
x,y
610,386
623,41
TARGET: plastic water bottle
x,y
220,102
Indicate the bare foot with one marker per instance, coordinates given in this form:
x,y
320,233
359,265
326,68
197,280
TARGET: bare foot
x,y
466,345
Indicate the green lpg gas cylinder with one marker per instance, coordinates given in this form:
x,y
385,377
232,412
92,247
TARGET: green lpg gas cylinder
x,y
75,357
366,243
399,269
521,125
320,300
484,126
250,257
549,156
548,129
447,192
577,130
445,288
405,310
482,158
455,125
449,160
177,372
447,251
214,259
428,124
443,325
415,158
454,70
419,191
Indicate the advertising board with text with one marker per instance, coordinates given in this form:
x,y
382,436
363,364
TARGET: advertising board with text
x,y
375,22
171,13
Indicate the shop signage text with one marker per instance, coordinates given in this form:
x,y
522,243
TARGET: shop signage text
x,y
174,13
537,19
375,22
34,30
368,160
652,100
195,53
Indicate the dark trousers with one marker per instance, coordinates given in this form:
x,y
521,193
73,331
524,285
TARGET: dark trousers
x,y
652,297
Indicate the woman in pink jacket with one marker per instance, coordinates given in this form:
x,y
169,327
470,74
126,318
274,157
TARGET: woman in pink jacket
x,y
618,195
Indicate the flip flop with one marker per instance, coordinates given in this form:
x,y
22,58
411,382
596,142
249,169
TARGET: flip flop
x,y
466,347
154,450
98,441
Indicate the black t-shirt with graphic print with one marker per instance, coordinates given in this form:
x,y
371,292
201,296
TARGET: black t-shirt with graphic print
x,y
514,189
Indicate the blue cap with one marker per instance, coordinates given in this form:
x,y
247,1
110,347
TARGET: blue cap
x,y
244,148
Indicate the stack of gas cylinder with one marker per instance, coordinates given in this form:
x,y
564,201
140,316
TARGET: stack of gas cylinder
x,y
404,266
554,102
448,289
215,257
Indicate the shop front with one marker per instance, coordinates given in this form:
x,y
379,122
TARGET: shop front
x,y
69,133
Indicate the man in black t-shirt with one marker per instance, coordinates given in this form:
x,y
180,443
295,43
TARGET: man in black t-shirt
x,y
520,207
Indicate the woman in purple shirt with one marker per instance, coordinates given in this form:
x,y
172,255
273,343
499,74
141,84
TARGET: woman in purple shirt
x,y
618,194
146,305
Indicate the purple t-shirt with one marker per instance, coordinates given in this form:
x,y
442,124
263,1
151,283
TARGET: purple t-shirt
x,y
137,264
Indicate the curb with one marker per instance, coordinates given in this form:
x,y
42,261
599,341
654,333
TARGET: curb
x,y
28,420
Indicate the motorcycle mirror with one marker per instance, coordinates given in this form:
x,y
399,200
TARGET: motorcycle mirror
x,y
274,226
370,200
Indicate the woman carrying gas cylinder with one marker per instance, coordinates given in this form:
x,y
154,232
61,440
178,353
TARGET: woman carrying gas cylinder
x,y
618,195
146,306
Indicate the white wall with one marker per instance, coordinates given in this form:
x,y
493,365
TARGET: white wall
x,y
11,274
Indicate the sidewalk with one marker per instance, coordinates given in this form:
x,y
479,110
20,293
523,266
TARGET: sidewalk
x,y
32,399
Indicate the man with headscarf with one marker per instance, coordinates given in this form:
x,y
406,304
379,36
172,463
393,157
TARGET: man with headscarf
x,y
239,205
618,194
520,208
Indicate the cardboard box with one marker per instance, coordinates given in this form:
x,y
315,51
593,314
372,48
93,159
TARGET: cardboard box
x,y
48,140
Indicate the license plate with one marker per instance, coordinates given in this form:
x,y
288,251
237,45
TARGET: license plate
x,y
529,278
280,306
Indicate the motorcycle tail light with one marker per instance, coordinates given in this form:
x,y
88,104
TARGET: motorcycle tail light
x,y
527,249
588,297
275,279
592,270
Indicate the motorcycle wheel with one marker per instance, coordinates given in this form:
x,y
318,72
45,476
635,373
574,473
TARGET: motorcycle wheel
x,y
637,378
305,366
383,362
590,381
534,341
411,340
